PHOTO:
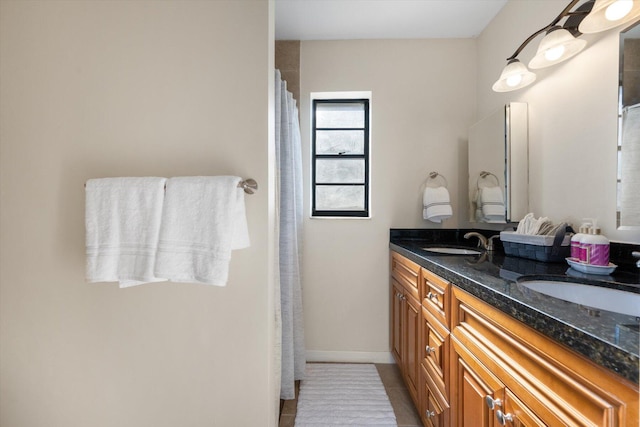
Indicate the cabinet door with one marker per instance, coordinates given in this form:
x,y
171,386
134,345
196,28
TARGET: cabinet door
x,y
516,414
411,339
397,299
471,386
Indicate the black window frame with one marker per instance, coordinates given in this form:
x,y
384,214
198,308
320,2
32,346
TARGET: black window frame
x,y
365,156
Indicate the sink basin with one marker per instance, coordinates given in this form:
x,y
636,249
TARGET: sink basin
x,y
451,250
594,296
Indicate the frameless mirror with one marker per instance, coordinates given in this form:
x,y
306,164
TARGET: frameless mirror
x,y
498,166
628,201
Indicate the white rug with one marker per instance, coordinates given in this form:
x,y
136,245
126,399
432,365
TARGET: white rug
x,y
343,395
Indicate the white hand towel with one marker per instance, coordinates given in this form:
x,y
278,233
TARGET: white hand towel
x,y
122,217
203,220
436,204
493,208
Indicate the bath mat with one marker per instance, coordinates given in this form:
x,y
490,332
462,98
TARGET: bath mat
x,y
334,394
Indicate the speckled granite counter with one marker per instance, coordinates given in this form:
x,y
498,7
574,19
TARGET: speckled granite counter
x,y
609,339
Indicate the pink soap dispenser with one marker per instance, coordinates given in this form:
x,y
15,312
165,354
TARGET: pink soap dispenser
x,y
596,247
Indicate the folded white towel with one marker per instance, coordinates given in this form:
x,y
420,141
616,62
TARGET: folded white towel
x,y
122,217
491,201
203,220
534,226
436,204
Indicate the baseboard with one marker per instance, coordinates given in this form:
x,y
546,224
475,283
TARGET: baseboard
x,y
350,356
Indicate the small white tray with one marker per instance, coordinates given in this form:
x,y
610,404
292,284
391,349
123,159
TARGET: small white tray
x,y
591,269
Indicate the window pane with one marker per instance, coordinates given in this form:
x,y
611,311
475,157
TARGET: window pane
x,y
340,141
339,171
339,197
339,115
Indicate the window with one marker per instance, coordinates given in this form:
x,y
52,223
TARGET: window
x,y
340,158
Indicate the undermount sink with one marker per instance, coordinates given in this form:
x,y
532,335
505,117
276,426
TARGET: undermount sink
x,y
589,295
451,250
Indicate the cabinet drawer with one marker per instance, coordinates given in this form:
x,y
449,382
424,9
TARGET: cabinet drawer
x,y
406,272
434,353
575,391
435,406
437,296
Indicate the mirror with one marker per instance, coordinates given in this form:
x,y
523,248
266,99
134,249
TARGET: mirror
x,y
628,201
498,166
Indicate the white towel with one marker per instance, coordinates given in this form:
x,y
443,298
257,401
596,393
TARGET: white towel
x,y
491,201
436,204
203,220
122,217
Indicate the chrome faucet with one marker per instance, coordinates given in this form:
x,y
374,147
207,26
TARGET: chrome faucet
x,y
482,241
490,242
636,254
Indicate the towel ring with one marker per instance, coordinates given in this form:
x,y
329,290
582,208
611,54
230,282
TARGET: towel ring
x,y
484,175
434,175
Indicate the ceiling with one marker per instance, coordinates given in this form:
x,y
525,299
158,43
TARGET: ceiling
x,y
383,19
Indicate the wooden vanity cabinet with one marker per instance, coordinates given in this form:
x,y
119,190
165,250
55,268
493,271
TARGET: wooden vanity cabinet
x,y
539,381
405,320
458,353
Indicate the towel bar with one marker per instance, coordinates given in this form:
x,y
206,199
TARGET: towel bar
x,y
249,185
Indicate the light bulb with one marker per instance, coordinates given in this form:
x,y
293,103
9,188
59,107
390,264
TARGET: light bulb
x,y
554,53
514,80
618,10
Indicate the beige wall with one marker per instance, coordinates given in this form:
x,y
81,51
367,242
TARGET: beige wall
x,y
423,101
572,116
113,88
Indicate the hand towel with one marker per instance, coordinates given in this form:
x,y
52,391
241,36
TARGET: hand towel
x,y
122,218
492,204
203,220
534,226
436,204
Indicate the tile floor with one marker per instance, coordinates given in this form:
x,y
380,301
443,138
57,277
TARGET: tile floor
x,y
405,411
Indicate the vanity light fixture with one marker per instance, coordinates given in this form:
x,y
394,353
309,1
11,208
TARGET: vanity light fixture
x,y
607,14
561,41
558,45
514,76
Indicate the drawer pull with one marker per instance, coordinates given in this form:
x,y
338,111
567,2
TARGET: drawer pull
x,y
503,418
430,414
429,350
492,403
432,296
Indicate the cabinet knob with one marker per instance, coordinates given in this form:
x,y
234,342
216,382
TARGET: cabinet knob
x,y
503,418
431,295
430,414
429,350
492,403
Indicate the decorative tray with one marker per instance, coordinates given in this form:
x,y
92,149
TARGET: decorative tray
x,y
591,269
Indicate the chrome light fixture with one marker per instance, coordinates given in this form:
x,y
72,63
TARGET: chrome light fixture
x,y
561,41
607,14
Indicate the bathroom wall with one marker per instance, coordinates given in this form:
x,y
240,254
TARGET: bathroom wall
x,y
572,116
288,62
423,101
96,89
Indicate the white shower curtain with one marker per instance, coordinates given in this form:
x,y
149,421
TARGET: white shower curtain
x,y
289,192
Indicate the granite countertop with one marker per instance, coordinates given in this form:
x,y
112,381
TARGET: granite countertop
x,y
609,339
